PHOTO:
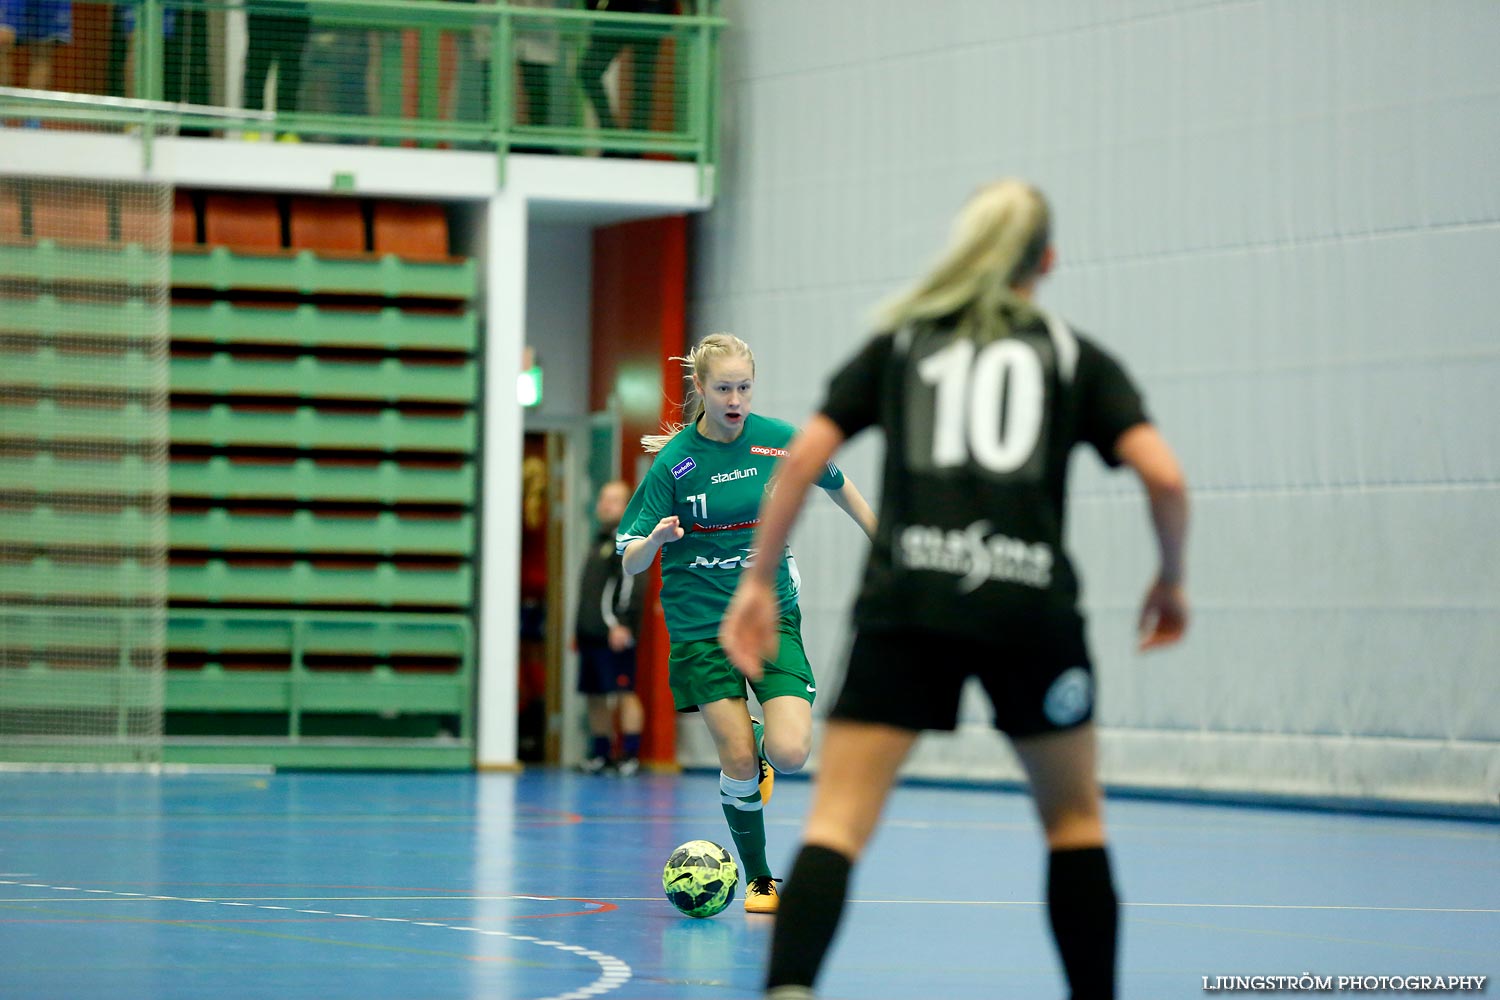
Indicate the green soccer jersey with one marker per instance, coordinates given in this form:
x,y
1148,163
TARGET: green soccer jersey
x,y
715,490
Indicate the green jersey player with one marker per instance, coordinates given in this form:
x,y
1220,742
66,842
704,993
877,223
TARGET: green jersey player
x,y
698,505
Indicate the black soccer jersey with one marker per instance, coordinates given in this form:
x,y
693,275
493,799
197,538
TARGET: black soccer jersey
x,y
978,438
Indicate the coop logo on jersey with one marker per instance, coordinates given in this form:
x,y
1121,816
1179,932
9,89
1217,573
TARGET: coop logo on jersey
x,y
683,467
729,477
760,449
975,555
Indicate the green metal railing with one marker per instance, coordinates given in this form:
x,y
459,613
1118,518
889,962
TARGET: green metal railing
x,y
432,73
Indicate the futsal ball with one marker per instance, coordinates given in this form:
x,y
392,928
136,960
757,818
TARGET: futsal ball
x,y
699,878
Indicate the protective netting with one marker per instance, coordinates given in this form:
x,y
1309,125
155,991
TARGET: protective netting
x,y
83,469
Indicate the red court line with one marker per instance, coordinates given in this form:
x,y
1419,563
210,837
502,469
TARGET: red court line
x,y
603,908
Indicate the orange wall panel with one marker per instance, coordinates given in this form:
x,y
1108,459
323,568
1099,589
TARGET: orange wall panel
x,y
638,320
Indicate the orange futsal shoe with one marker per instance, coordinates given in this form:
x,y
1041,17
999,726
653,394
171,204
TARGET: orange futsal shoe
x,y
761,895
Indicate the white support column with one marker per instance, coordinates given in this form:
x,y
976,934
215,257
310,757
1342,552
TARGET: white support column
x,y
500,526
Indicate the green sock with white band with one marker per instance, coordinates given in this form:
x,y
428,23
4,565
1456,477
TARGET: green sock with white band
x,y
740,799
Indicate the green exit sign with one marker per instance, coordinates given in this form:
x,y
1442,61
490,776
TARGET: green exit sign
x,y
529,386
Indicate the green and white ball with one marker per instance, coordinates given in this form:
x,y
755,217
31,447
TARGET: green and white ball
x,y
699,878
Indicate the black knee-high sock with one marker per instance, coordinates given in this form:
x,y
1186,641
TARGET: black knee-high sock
x,y
1085,914
808,916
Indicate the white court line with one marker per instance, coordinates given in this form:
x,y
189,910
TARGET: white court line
x,y
259,900
614,972
1194,906
135,896
1184,906
1328,906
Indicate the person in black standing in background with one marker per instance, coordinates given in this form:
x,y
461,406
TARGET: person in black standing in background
x,y
607,626
605,45
278,31
982,396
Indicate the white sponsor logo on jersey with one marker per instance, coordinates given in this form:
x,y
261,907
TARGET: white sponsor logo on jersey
x,y
975,555
743,561
729,477
1069,698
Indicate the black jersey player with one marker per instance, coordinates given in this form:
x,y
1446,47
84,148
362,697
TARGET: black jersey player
x,y
982,396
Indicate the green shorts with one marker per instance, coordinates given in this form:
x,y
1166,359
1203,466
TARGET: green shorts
x,y
699,671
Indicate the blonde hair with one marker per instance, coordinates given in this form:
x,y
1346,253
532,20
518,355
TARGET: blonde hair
x,y
998,242
710,349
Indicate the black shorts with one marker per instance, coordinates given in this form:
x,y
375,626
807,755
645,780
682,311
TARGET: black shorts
x,y
913,679
603,671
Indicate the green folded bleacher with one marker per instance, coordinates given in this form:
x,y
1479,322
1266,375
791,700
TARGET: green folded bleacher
x,y
214,633
122,475
323,477
45,260
309,376
307,273
307,427
46,316
47,419
48,368
302,583
385,533
309,326
307,480
47,526
48,579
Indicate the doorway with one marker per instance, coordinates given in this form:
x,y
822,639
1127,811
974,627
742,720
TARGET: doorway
x,y
543,596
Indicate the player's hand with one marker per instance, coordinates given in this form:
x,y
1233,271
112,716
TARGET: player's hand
x,y
666,530
1164,616
620,638
748,632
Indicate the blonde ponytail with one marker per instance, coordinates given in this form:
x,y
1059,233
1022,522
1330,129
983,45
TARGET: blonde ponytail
x,y
997,243
695,367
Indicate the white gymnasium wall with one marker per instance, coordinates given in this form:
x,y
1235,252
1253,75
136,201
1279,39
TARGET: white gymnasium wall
x,y
1283,215
558,277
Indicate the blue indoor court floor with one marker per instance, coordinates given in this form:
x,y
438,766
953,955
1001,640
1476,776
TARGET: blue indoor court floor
x,y
546,885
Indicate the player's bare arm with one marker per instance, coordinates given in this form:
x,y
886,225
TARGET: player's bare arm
x,y
853,503
639,554
1164,611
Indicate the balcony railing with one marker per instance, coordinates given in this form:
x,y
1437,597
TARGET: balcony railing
x,y
542,76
